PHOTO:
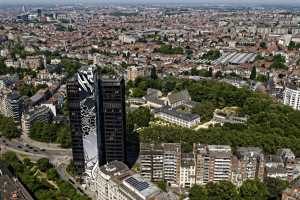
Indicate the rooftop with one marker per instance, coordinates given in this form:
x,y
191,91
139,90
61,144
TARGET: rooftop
x,y
184,116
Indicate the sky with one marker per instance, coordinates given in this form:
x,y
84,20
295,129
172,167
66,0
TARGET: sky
x,y
21,2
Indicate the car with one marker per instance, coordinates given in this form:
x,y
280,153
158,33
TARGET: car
x,y
71,181
4,141
26,150
35,150
30,147
43,150
19,146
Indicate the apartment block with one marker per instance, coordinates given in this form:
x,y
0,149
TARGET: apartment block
x,y
250,164
213,163
161,162
37,114
187,170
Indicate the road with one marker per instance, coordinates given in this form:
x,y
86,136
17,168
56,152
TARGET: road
x,y
60,159
55,156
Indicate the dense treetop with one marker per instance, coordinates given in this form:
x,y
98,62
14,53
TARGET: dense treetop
x,y
271,125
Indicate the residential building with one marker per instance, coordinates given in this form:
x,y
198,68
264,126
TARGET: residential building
x,y
292,193
187,170
14,106
110,118
274,167
289,160
291,96
213,163
116,181
135,71
161,162
41,114
250,163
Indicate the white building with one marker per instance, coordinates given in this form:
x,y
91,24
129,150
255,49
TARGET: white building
x,y
168,114
187,170
114,181
291,97
128,39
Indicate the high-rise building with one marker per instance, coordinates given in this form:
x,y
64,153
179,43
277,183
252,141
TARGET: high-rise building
x,y
110,118
82,100
39,12
74,100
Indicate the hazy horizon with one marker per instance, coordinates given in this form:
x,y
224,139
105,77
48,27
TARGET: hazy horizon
x,y
239,2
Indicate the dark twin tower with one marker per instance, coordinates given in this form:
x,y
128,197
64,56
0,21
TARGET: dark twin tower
x,y
110,120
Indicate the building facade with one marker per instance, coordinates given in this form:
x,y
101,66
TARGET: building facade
x,y
213,163
74,100
14,106
251,164
110,119
38,114
291,97
115,181
161,162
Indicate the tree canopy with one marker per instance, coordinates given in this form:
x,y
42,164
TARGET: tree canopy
x,y
212,55
250,190
8,127
51,133
271,125
168,49
38,182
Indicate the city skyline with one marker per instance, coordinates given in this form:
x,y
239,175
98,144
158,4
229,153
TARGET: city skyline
x,y
197,2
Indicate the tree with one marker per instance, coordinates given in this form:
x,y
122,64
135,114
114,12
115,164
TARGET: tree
x,y
71,168
275,187
253,190
262,78
278,62
162,185
52,174
210,72
263,45
64,136
43,164
223,190
138,92
8,128
212,55
153,73
198,192
253,73
205,109
70,66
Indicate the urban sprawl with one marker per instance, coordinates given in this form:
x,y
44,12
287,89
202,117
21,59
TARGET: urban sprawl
x,y
149,102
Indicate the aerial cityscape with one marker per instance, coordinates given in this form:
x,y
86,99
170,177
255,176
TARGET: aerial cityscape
x,y
158,100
